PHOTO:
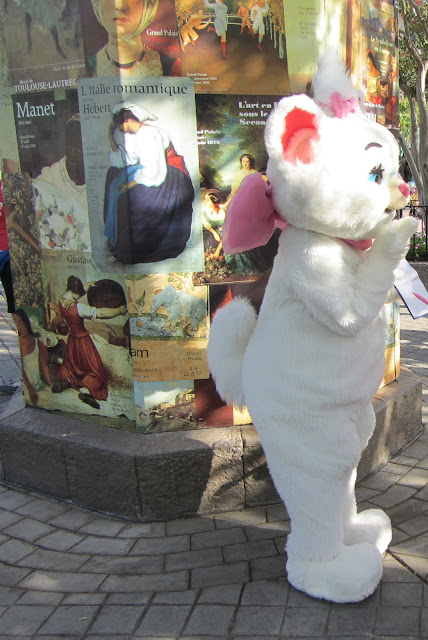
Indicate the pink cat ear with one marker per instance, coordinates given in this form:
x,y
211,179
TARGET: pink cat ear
x,y
300,133
250,217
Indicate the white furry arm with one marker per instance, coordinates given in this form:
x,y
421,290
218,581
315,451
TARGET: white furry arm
x,y
340,288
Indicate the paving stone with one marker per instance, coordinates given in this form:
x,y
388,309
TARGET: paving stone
x,y
102,527
250,550
393,467
225,574
300,599
178,597
394,571
69,619
42,509
60,540
258,620
131,598
28,529
268,530
156,546
163,621
415,526
393,496
61,581
418,564
226,594
266,592
406,461
41,597
380,481
143,530
14,550
210,619
103,546
406,511
404,595
7,518
266,568
364,493
85,598
193,559
22,620
397,620
125,565
344,619
217,538
424,623
246,518
12,500
53,560
422,494
304,622
398,536
177,581
71,520
11,576
190,525
415,546
9,596
116,619
416,478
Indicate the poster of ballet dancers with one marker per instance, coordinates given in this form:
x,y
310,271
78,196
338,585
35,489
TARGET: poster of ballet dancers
x,y
312,27
375,59
130,39
44,44
142,174
164,406
234,46
231,147
50,148
87,338
168,327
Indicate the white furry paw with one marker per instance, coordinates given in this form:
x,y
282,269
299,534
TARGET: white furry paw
x,y
394,238
351,576
372,526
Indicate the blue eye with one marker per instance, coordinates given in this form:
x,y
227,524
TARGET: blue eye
x,y
376,174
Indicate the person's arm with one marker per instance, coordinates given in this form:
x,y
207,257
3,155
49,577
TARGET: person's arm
x,y
105,313
125,187
43,362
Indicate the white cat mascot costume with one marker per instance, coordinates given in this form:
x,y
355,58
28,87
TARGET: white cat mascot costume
x,y
310,364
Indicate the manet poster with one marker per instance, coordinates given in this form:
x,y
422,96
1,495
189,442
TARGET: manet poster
x,y
130,39
168,327
44,44
50,147
142,174
87,329
231,147
234,47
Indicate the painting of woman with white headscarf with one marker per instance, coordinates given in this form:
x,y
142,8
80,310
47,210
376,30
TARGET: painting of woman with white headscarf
x,y
125,25
148,202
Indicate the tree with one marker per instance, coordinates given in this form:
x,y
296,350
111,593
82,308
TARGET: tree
x,y
413,84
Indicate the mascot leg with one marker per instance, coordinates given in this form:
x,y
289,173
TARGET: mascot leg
x,y
317,487
372,525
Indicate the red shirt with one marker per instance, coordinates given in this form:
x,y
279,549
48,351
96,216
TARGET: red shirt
x,y
3,232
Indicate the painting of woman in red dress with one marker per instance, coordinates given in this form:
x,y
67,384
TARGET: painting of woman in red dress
x,y
82,367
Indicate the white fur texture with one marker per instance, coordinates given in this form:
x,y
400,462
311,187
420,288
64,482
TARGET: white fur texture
x,y
310,364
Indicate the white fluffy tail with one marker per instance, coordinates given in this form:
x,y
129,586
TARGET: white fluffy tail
x,y
230,333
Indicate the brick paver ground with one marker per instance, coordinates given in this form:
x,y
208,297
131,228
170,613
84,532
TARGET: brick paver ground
x,y
72,573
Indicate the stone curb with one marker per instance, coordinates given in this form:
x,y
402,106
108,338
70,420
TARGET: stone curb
x,y
165,476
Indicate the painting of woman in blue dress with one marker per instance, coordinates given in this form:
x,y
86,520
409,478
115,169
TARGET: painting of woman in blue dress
x,y
148,202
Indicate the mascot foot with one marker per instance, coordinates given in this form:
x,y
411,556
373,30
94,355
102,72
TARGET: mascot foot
x,y
372,526
351,576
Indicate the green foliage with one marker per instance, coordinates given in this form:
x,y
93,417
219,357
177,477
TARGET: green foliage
x,y
418,248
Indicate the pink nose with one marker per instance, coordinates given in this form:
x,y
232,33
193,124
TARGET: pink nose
x,y
405,189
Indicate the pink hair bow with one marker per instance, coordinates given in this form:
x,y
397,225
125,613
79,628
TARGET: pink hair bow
x,y
250,217
342,107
